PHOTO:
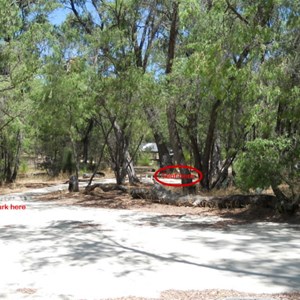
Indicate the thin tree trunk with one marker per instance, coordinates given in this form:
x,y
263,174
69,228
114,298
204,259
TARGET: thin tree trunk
x,y
223,174
172,37
101,152
191,128
209,144
17,157
86,140
281,197
123,162
165,158
163,152
196,153
8,167
75,155
132,177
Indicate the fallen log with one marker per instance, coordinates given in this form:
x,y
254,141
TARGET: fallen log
x,y
106,187
241,201
159,194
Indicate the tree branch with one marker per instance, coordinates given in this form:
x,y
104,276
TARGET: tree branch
x,y
99,15
236,13
84,25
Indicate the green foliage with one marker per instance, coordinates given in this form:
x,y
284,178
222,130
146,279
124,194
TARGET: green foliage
x,y
55,79
144,159
24,167
68,164
262,164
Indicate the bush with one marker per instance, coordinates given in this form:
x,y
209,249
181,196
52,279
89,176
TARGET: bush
x,y
23,167
68,164
144,159
262,164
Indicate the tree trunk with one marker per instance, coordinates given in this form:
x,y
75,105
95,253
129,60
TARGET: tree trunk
x,y
177,147
119,153
172,38
223,174
281,197
171,110
209,144
196,153
141,62
165,158
106,135
73,184
17,157
86,140
163,152
11,159
75,155
132,177
191,128
284,205
7,170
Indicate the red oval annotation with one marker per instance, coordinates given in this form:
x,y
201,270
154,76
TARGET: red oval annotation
x,y
162,173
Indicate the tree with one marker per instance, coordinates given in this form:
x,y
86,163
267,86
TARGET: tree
x,y
21,36
274,150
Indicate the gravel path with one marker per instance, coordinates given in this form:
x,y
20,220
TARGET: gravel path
x,y
49,251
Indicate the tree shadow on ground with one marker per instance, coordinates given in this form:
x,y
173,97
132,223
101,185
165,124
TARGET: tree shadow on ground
x,y
80,243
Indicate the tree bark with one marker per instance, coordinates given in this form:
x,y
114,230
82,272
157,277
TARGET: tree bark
x,y
120,156
196,153
163,152
208,145
172,37
106,134
76,158
282,199
86,140
128,166
73,184
171,110
17,157
191,128
177,146
223,174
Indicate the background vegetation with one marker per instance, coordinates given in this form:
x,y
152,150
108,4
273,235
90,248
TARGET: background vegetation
x,y
216,81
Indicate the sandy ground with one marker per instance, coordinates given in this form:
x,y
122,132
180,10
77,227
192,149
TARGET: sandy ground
x,y
61,247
